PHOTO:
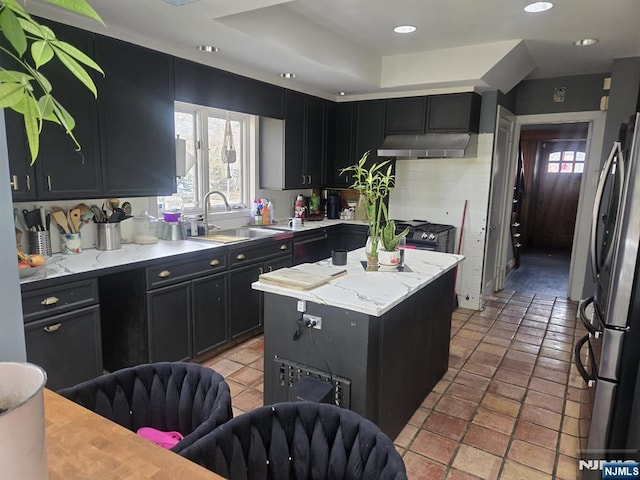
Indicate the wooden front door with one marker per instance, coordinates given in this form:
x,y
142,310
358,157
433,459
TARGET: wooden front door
x,y
560,168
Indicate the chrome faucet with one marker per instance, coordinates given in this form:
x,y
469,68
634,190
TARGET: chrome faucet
x,y
206,207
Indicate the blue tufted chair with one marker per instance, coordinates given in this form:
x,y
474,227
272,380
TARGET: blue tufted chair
x,y
168,396
299,440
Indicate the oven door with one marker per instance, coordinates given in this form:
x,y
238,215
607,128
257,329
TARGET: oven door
x,y
604,224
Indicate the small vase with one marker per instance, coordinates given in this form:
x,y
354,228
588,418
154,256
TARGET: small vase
x,y
371,249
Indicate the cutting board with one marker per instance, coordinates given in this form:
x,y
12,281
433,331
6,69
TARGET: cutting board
x,y
299,278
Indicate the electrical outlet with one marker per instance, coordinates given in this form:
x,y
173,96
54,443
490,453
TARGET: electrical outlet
x,y
312,321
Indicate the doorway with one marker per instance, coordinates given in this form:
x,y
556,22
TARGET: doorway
x,y
545,204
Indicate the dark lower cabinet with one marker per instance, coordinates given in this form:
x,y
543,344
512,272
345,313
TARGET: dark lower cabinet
x,y
169,325
245,304
209,304
67,346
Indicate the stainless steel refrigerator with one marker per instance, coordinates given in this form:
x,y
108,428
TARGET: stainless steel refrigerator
x,y
613,342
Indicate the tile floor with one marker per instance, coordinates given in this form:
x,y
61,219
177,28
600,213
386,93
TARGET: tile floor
x,y
508,408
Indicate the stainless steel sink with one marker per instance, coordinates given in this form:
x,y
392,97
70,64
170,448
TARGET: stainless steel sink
x,y
235,235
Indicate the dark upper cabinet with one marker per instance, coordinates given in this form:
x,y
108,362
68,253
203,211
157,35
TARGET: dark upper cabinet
x,y
344,150
370,123
406,115
202,85
60,172
137,119
455,112
292,155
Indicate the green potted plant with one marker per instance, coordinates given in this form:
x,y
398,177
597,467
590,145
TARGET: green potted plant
x,y
389,254
374,183
29,46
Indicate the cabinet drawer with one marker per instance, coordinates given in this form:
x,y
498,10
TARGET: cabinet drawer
x,y
241,255
59,299
169,273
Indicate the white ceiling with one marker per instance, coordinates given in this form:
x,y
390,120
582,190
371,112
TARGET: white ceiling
x,y
349,45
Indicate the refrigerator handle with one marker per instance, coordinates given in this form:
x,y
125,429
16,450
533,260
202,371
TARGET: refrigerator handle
x,y
589,379
615,150
596,332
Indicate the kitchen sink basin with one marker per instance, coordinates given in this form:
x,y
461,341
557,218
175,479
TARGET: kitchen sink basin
x,y
235,235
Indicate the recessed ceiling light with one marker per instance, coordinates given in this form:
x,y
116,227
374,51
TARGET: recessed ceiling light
x,y
179,3
341,94
404,29
537,7
208,48
288,75
586,42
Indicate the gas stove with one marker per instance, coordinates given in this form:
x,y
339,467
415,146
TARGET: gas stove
x,y
425,235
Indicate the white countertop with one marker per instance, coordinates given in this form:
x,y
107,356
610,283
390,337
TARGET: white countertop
x,y
90,260
372,293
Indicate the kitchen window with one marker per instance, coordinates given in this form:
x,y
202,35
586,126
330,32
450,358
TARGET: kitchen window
x,y
203,128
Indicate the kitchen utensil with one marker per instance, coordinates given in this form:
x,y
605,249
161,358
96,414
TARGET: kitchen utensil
x,y
75,219
61,219
126,207
109,236
113,203
98,215
69,224
40,242
117,216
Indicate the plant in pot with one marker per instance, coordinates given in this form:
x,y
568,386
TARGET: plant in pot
x,y
373,182
389,254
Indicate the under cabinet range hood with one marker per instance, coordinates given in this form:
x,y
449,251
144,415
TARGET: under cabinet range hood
x,y
430,145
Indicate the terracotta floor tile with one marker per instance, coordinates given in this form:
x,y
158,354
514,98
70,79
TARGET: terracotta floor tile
x,y
226,367
540,416
455,361
542,400
567,468
455,407
434,446
545,386
421,468
560,329
501,404
493,349
532,456
524,347
536,332
514,378
484,370
569,445
446,425
571,426
430,401
465,393
523,337
441,386
565,347
247,376
494,420
477,462
471,335
560,337
419,416
458,475
235,388
258,364
515,365
551,375
529,432
245,356
507,317
472,380
521,356
405,437
572,409
508,390
463,343
248,400
516,471
555,353
487,359
553,364
487,440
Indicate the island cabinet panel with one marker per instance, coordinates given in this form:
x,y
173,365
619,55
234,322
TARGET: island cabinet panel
x,y
203,85
62,331
136,106
61,170
353,236
406,115
382,367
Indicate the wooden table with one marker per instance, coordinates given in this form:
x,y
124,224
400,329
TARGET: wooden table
x,y
84,445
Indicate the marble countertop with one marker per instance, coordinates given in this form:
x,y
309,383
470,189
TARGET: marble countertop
x,y
312,225
91,260
372,293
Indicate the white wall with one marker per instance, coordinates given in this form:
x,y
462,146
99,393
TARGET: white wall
x,y
436,190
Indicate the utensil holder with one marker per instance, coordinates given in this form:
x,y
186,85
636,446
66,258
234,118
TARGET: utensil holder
x,y
109,236
70,243
39,242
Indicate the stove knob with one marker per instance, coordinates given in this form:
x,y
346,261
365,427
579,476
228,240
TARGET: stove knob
x,y
423,236
431,237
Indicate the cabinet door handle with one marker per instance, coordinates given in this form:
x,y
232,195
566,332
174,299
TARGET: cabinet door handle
x,y
261,270
49,182
50,301
52,328
14,182
309,177
164,274
303,179
240,256
215,262
283,247
27,179
269,268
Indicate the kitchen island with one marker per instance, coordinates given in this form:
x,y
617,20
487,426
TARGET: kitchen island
x,y
383,341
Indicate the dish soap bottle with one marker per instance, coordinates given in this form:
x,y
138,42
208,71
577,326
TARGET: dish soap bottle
x,y
266,214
